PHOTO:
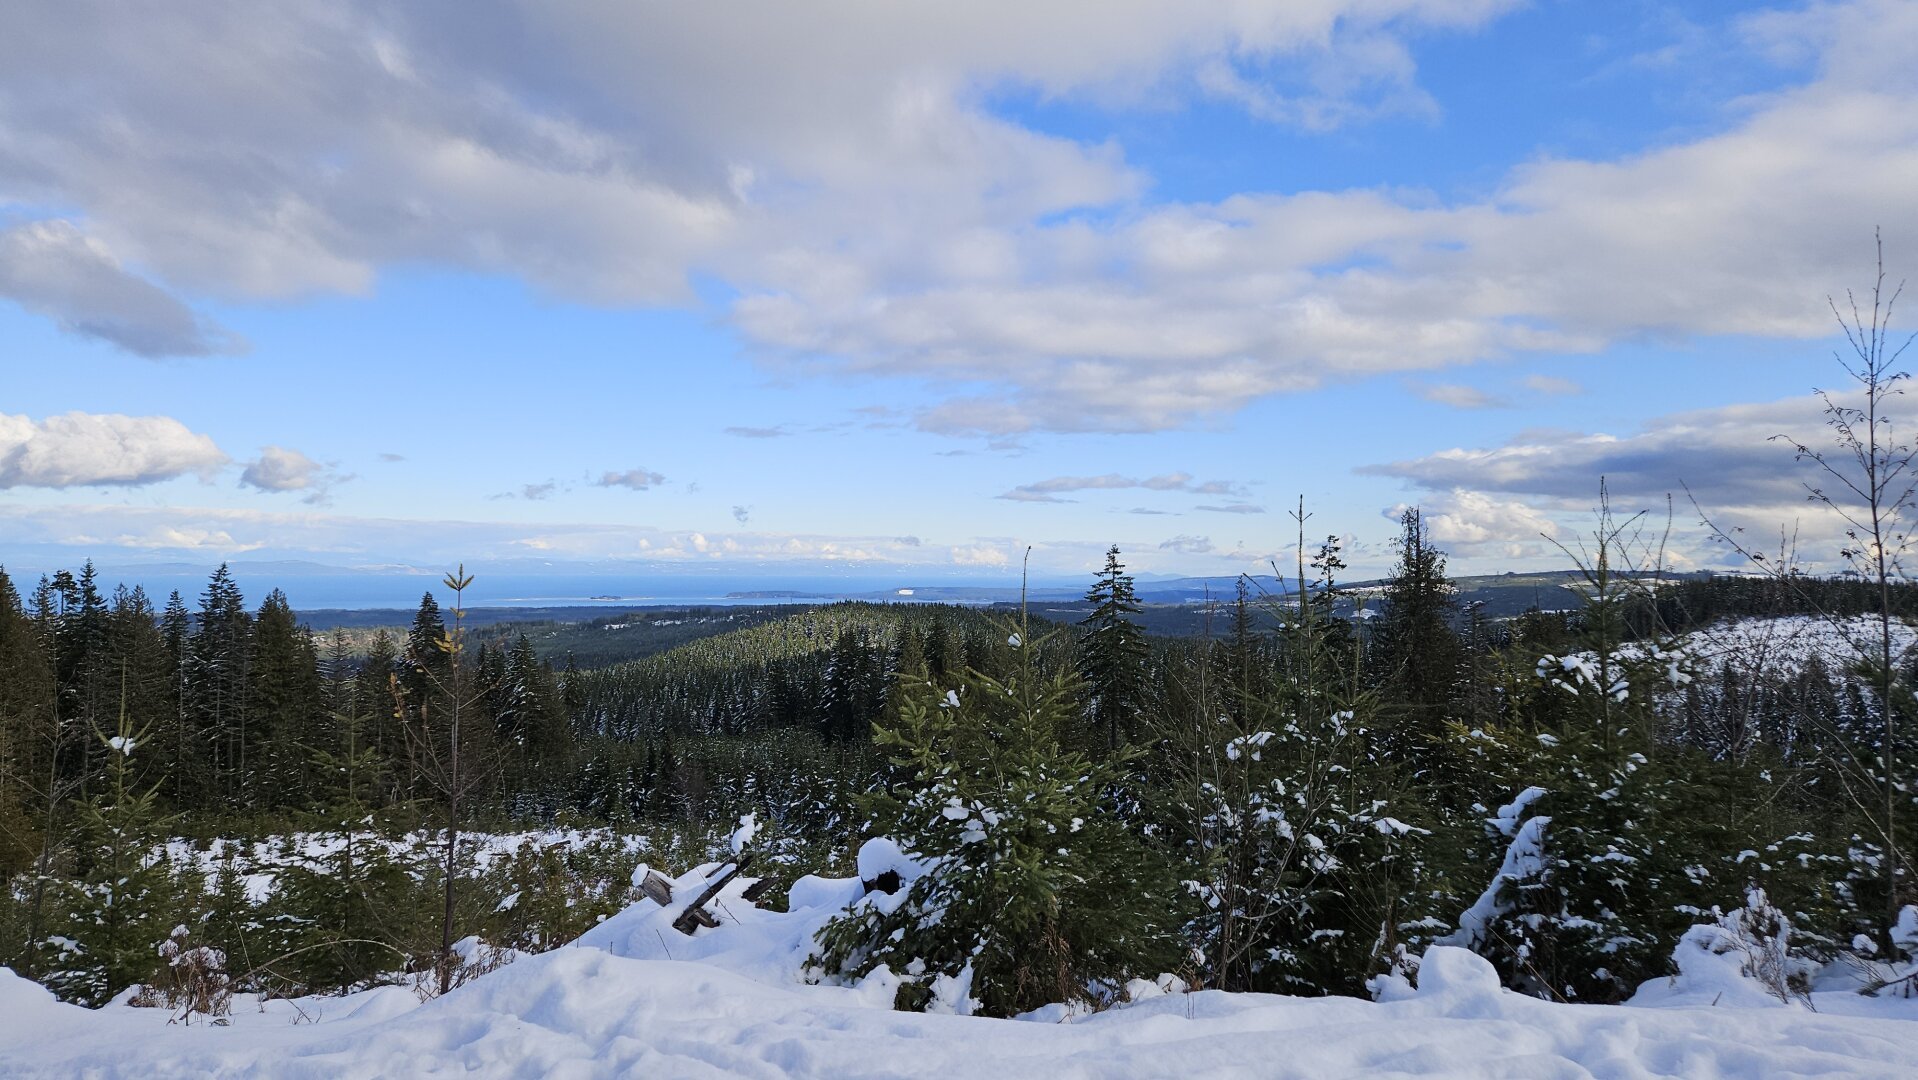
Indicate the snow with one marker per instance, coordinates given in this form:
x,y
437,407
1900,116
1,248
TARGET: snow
x,y
259,862
748,828
1783,645
635,997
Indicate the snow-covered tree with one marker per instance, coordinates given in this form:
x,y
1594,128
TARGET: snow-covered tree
x,y
1032,891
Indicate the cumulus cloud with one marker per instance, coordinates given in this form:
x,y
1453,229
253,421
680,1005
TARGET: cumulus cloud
x,y
280,469
742,513
1231,508
79,449
609,152
633,479
53,269
1051,490
1104,323
876,217
1473,523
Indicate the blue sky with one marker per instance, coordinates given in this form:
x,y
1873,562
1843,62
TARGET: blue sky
x,y
890,288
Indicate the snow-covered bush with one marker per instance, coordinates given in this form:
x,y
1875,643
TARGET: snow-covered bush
x,y
192,980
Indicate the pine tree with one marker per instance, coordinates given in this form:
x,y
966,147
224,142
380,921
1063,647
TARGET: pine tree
x,y
373,696
1305,848
119,905
219,657
1114,653
283,706
185,780
1031,890
452,751
350,900
1415,649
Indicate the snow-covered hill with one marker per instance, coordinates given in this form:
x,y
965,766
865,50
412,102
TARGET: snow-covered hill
x,y
636,998
1786,644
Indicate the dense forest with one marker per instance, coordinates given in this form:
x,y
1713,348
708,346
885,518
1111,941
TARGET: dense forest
x,y
1300,809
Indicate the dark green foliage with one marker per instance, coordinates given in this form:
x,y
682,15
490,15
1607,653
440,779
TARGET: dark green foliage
x,y
120,903
1415,649
1033,885
1114,654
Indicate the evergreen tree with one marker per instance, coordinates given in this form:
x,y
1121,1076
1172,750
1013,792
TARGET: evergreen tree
x,y
1415,649
222,645
1304,847
26,722
184,777
454,753
119,905
1114,652
1028,888
283,706
351,900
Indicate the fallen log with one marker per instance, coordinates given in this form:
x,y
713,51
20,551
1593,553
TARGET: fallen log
x,y
696,915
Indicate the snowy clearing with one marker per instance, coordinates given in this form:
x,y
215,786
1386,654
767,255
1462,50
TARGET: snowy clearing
x,y
635,997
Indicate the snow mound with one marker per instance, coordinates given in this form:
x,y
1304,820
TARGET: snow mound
x,y
769,946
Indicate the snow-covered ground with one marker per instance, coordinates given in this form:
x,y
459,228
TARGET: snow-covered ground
x,y
259,861
1785,644
634,997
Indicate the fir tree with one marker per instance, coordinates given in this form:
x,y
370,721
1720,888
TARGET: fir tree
x,y
283,706
1415,649
220,653
119,905
1032,890
1114,652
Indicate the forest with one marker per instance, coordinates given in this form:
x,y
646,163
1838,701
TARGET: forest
x,y
1302,809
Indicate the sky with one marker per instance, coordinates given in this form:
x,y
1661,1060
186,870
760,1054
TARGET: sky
x,y
907,289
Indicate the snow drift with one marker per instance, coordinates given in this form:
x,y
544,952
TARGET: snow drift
x,y
636,997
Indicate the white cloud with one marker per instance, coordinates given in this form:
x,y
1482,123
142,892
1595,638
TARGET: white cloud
x,y
171,538
280,469
1162,317
980,555
878,218
609,152
1473,524
53,269
79,449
